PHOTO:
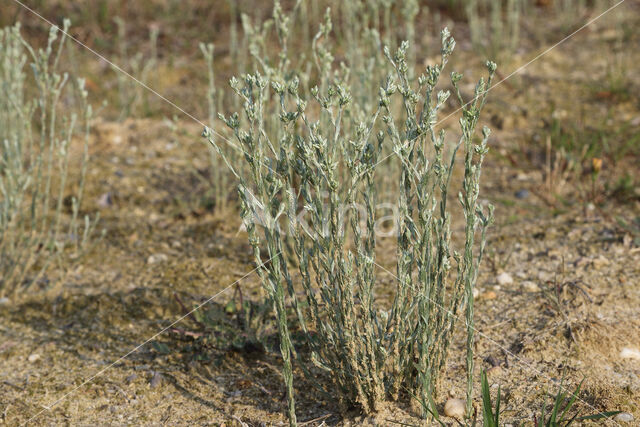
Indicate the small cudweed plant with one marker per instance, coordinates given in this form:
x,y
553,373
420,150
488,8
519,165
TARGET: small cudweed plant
x,y
310,193
35,140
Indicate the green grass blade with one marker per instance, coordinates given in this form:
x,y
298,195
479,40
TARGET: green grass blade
x,y
497,414
574,396
487,413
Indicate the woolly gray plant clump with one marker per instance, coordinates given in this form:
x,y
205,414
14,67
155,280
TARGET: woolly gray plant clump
x,y
323,158
36,134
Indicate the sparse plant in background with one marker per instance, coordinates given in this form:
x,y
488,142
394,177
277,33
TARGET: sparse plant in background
x,y
306,173
497,26
131,94
581,164
570,12
36,136
494,25
616,84
220,177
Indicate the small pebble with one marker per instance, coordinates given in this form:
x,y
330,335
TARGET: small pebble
x,y
105,200
630,353
33,357
156,379
496,370
624,417
454,408
489,295
544,276
4,301
530,286
522,194
559,114
504,279
157,258
600,262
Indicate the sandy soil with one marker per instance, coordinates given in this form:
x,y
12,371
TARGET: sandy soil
x,y
558,295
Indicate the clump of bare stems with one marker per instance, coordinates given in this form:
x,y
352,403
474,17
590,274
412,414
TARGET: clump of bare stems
x,y
313,153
